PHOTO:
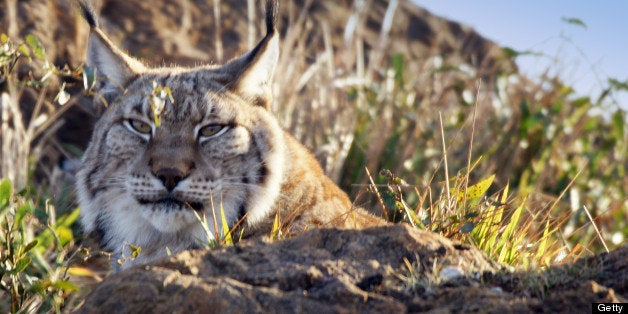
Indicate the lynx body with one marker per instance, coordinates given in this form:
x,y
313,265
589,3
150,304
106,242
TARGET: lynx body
x,y
175,141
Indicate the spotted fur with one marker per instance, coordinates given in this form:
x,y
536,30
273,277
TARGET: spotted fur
x,y
216,145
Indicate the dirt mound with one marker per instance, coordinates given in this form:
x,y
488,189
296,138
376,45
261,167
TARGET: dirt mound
x,y
385,269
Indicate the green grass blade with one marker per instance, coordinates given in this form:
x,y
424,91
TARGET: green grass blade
x,y
274,232
6,190
543,242
226,233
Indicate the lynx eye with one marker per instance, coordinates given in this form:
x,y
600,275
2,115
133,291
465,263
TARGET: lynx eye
x,y
140,126
212,130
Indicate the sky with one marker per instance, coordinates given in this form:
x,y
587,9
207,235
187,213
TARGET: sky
x,y
585,56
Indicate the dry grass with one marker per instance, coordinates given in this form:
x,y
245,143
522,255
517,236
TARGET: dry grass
x,y
429,132
538,138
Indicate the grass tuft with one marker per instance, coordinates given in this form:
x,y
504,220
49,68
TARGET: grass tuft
x,y
35,254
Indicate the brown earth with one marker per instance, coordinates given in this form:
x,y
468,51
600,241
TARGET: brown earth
x,y
392,269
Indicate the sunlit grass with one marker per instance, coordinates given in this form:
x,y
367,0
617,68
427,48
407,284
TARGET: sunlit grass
x,y
35,254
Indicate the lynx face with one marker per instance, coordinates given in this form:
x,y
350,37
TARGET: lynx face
x,y
209,145
214,148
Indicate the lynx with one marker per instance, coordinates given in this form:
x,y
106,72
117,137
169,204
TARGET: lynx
x,y
175,141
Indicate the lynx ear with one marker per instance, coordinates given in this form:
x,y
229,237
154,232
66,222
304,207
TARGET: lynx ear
x,y
104,57
251,75
110,61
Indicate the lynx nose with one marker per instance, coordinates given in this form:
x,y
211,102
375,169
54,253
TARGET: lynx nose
x,y
170,177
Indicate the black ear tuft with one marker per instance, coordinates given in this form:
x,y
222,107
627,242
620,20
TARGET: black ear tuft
x,y
271,16
250,75
87,10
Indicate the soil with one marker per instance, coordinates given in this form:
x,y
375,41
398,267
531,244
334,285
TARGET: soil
x,y
391,269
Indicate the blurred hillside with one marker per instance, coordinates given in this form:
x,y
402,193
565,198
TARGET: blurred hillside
x,y
196,32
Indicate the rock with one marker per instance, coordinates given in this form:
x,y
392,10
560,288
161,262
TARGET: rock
x,y
325,270
383,269
611,269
